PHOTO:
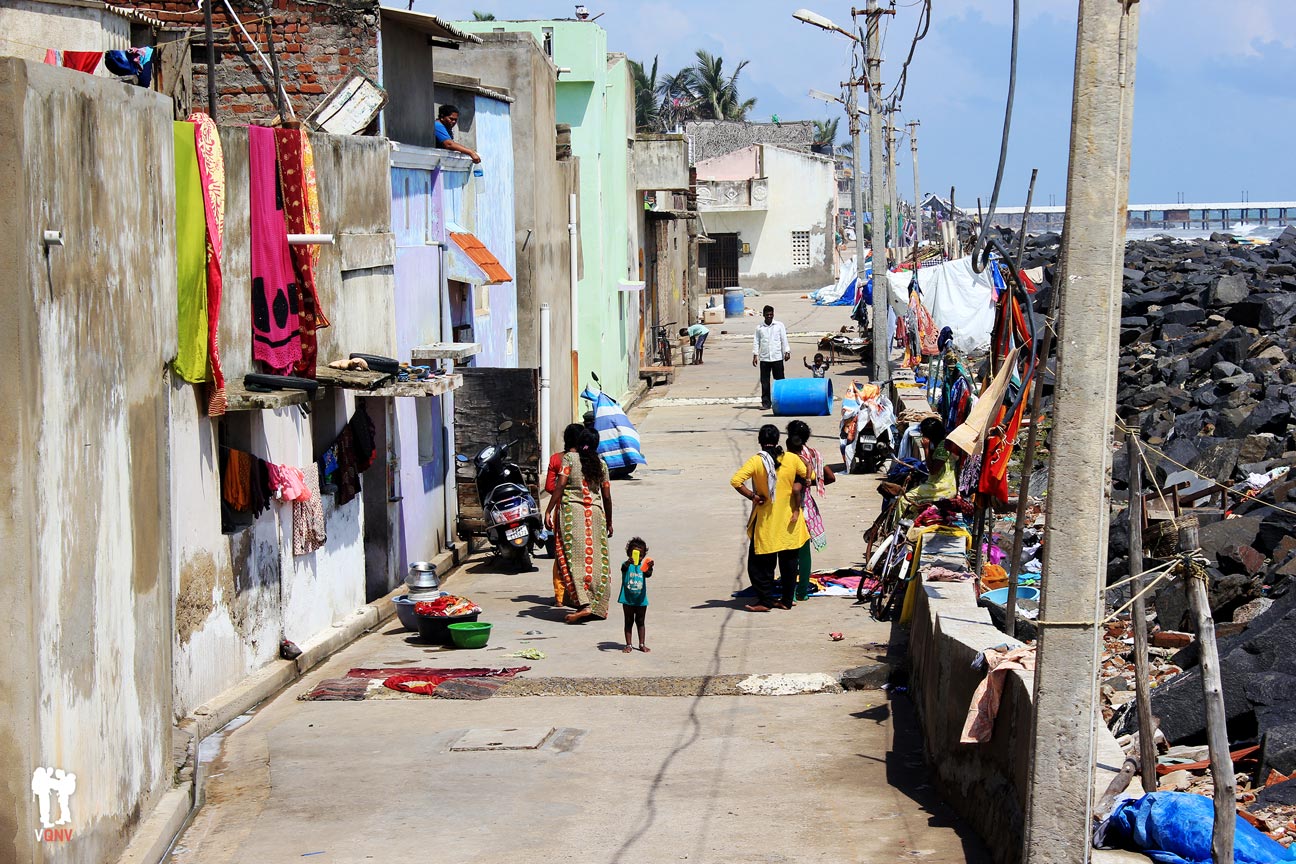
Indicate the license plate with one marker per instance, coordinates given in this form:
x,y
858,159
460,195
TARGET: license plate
x,y
516,533
870,439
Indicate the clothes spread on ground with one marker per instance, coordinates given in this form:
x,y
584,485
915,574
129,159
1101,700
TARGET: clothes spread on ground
x,y
308,516
191,258
985,701
302,214
425,680
276,337
211,172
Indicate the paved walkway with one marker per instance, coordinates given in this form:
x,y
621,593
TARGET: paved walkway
x,y
628,776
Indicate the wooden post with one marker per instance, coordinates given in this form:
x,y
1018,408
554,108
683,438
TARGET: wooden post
x,y
1225,782
1147,727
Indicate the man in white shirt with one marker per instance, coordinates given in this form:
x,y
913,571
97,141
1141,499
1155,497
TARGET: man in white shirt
x,y
770,349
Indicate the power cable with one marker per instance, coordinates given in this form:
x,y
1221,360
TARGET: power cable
x,y
924,24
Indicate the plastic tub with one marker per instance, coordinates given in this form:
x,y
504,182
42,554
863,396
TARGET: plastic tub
x,y
470,634
734,304
999,596
803,397
436,628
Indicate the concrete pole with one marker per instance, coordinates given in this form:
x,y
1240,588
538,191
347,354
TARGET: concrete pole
x,y
877,186
913,148
1060,783
857,187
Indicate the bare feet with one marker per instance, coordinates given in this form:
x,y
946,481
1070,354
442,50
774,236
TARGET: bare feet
x,y
786,605
644,648
578,616
626,650
757,608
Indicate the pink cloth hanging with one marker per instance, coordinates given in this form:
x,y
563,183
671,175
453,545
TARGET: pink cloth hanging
x,y
276,338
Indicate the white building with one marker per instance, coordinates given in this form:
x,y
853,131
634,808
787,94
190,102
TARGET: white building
x,y
771,212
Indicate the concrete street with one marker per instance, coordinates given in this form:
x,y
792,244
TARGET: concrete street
x,y
627,776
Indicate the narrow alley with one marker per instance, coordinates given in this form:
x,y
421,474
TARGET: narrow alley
x,y
614,757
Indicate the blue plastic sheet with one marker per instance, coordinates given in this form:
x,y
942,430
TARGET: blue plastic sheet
x,y
1175,828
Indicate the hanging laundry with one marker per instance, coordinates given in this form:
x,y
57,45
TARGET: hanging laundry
x,y
347,476
287,482
82,61
362,430
211,172
191,268
134,61
276,340
301,210
236,478
308,516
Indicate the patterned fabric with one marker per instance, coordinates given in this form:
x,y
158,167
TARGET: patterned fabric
x,y
582,544
211,171
308,516
813,518
191,271
276,341
301,209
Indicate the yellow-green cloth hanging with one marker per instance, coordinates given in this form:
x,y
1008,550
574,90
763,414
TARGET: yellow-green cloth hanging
x,y
191,258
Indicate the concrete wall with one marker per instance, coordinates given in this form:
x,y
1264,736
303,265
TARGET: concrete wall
x,y
741,164
666,251
710,138
238,595
661,162
407,69
985,783
802,197
28,27
85,606
596,98
541,184
494,226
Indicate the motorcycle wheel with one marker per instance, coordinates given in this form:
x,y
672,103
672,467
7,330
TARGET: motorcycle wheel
x,y
517,556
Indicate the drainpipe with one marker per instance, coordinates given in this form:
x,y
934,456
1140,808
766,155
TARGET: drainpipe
x,y
573,267
545,372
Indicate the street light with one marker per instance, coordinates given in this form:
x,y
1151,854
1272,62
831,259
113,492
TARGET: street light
x,y
817,20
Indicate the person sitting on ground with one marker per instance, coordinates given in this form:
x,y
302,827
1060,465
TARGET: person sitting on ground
x,y
571,443
699,335
820,367
447,117
942,474
635,570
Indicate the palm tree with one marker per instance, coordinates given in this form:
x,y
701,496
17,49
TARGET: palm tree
x,y
826,131
676,99
647,107
717,93
483,16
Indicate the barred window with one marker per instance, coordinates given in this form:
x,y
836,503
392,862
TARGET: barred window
x,y
800,248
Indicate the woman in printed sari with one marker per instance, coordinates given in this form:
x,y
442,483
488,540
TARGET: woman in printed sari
x,y
580,514
820,475
571,444
776,529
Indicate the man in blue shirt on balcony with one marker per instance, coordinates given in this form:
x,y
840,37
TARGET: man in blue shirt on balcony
x,y
447,117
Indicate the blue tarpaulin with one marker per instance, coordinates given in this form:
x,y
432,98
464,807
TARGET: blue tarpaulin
x,y
618,439
1176,827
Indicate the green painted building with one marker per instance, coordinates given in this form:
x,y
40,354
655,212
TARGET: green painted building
x,y
596,97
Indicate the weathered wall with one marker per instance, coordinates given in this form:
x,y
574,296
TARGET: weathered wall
x,y
28,27
87,330
661,162
985,783
802,197
710,138
318,42
516,62
237,595
407,67
666,251
494,226
741,164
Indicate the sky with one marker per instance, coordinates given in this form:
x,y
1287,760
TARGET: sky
x,y
1213,99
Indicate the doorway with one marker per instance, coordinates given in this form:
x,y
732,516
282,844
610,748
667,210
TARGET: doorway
x,y
721,261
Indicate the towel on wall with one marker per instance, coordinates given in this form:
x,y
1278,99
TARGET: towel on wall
x,y
276,340
301,209
191,268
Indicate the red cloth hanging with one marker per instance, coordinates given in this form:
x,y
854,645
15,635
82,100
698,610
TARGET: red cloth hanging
x,y
83,61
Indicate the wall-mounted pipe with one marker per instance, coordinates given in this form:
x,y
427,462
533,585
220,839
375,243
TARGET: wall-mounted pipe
x,y
311,239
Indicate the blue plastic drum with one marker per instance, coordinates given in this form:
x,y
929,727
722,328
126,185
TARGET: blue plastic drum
x,y
803,397
733,300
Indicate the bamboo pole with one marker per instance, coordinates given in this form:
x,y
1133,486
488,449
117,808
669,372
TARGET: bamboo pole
x,y
1222,776
1142,674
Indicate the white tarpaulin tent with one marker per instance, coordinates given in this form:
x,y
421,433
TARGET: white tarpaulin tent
x,y
956,297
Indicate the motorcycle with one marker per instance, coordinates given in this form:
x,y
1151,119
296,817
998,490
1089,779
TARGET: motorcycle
x,y
867,430
514,523
618,439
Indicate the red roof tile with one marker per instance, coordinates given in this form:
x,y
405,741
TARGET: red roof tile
x,y
482,257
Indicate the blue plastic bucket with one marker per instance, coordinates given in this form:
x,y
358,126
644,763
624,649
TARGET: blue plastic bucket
x,y
733,300
999,596
803,397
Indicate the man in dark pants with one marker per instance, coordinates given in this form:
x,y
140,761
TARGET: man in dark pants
x,y
770,349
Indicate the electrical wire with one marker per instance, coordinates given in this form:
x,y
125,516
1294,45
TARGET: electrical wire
x,y
924,24
981,252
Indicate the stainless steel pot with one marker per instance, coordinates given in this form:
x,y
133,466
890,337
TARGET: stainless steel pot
x,y
423,575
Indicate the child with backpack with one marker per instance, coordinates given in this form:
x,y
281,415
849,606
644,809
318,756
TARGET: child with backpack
x,y
635,571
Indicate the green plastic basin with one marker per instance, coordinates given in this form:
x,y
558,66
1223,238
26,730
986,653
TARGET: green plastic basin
x,y
470,634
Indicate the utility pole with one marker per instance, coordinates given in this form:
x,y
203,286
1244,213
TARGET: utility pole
x,y
1060,780
877,183
913,148
857,188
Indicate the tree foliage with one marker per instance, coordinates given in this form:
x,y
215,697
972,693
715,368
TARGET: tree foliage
x,y
826,131
703,90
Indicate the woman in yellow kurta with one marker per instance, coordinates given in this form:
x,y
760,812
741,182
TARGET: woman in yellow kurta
x,y
776,528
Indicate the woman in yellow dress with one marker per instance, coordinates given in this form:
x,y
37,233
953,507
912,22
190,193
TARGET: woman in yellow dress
x,y
776,529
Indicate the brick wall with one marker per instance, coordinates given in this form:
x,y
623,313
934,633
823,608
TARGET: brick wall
x,y
318,43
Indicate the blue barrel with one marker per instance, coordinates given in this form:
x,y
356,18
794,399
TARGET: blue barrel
x,y
733,302
803,397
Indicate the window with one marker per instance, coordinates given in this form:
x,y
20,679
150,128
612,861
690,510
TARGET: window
x,y
800,248
548,40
